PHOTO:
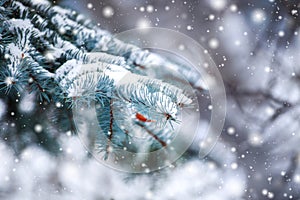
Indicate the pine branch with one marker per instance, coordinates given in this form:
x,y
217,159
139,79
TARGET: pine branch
x,y
47,49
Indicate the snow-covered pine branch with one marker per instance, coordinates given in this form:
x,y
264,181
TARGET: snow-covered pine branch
x,y
47,49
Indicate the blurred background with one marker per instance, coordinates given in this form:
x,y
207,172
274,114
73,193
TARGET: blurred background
x,y
256,46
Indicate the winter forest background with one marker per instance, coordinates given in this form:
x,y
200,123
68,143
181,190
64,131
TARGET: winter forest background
x,y
256,46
